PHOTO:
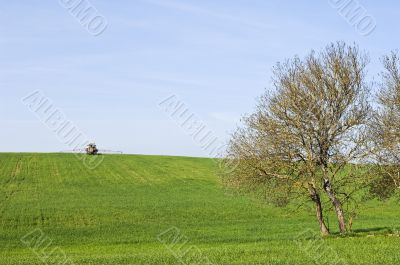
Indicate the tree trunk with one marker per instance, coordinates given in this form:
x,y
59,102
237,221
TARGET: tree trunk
x,y
336,204
319,213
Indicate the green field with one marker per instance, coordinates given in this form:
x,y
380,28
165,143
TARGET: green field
x,y
115,214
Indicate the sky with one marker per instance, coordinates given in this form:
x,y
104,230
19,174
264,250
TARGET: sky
x,y
215,56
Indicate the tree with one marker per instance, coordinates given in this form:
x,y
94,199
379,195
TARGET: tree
x,y
385,129
305,133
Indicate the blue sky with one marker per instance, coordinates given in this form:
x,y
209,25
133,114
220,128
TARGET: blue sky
x,y
214,55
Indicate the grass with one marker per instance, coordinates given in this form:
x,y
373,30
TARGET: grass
x,y
114,214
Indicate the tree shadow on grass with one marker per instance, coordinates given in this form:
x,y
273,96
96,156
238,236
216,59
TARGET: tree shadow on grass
x,y
373,231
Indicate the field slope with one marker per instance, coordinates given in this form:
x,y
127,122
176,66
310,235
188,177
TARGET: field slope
x,y
115,214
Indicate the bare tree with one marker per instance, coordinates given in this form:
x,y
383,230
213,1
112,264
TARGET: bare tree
x,y
385,128
305,132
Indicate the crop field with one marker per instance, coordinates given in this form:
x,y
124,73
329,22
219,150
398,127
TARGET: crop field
x,y
164,210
